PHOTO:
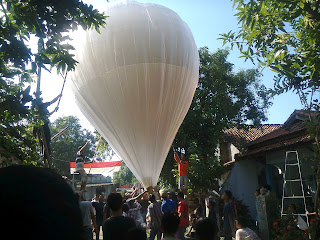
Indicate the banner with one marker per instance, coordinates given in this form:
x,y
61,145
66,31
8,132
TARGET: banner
x,y
98,167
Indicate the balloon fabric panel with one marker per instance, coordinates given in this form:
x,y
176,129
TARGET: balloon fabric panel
x,y
135,82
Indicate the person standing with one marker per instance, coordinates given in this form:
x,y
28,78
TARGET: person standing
x,y
167,204
228,216
154,214
170,225
87,216
183,170
80,161
95,198
256,195
183,214
99,206
117,226
212,213
206,229
134,210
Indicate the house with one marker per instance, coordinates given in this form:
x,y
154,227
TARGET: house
x,y
97,184
256,156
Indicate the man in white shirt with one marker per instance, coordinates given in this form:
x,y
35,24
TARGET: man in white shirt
x,y
87,213
243,232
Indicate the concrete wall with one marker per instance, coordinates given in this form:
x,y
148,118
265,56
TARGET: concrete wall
x,y
91,191
242,182
233,151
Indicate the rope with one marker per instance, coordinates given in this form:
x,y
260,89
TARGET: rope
x,y
64,83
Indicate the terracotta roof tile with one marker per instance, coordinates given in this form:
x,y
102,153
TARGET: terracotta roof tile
x,y
244,135
277,145
282,131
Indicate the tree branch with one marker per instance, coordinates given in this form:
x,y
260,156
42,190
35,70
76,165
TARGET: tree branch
x,y
5,13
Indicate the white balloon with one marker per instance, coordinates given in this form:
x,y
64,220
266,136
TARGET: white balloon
x,y
135,82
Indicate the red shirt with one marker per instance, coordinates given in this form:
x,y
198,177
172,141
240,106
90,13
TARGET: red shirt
x,y
183,165
183,213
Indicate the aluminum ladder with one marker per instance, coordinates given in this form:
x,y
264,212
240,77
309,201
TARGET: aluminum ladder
x,y
300,180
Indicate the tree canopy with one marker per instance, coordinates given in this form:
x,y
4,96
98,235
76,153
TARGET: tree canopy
x,y
124,177
47,24
284,36
223,98
65,147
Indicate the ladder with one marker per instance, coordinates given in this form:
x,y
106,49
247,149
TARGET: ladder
x,y
287,165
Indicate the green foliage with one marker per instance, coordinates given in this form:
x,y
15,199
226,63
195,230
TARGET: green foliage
x,y
124,177
65,147
204,175
286,229
103,149
222,98
46,23
284,36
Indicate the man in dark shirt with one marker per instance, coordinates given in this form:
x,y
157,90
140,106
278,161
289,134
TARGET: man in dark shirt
x,y
99,206
228,216
117,226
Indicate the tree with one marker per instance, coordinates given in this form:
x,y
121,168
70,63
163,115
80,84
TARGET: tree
x,y
222,98
65,147
284,36
103,150
124,177
47,23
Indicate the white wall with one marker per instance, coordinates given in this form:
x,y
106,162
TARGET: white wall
x,y
242,182
233,151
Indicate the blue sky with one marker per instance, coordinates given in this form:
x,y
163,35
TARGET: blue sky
x,y
206,19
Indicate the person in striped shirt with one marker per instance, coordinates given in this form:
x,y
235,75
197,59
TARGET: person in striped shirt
x,y
154,216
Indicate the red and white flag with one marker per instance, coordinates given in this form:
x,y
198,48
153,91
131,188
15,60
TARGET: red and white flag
x,y
98,167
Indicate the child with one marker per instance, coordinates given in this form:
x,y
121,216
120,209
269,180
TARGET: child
x,y
243,232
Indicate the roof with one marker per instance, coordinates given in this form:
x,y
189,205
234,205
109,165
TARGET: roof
x,y
278,145
98,184
240,136
292,133
269,137
282,131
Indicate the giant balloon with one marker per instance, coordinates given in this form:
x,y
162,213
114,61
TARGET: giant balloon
x,y
135,82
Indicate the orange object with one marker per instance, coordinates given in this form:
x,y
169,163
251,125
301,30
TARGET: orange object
x,y
183,213
183,165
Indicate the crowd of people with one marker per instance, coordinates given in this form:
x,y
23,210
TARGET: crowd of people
x,y
167,218
39,204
